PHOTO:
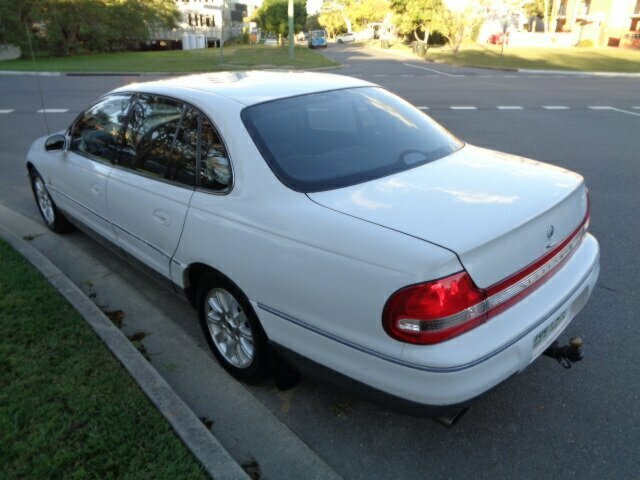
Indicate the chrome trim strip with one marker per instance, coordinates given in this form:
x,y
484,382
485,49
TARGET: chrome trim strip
x,y
150,245
498,298
537,275
423,368
142,240
49,187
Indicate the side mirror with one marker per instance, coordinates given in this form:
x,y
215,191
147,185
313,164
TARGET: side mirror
x,y
55,143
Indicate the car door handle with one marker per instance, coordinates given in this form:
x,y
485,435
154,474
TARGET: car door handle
x,y
162,217
95,188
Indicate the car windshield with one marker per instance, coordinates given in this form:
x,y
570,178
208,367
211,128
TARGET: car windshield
x,y
339,138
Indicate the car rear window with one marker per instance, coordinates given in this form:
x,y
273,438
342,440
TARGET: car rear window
x,y
339,138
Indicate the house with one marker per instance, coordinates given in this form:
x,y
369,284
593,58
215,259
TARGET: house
x,y
215,19
602,22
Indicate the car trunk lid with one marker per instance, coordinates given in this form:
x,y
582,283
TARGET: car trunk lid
x,y
499,213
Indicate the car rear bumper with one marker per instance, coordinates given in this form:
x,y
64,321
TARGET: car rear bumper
x,y
454,372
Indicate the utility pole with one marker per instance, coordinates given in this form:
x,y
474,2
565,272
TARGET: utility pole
x,y
292,40
222,24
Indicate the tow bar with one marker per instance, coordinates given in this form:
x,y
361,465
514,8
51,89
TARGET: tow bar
x,y
567,354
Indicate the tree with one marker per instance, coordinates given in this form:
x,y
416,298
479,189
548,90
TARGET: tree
x,y
65,27
457,24
413,16
13,18
312,23
336,15
273,16
363,12
331,17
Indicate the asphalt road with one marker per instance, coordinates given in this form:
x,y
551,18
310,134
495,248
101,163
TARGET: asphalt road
x,y
547,422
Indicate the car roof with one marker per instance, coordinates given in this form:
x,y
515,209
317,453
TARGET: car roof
x,y
249,87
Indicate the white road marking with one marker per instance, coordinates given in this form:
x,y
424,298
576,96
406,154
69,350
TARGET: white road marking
x,y
555,107
637,108
485,76
6,110
53,110
625,111
557,76
407,75
534,76
510,76
462,107
509,107
381,75
432,70
423,108
599,107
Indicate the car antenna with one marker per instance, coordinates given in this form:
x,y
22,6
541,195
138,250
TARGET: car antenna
x,y
33,57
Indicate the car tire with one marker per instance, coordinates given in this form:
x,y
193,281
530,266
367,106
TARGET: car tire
x,y
232,329
52,216
339,41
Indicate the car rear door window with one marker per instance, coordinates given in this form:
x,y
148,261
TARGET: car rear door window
x,y
167,139
183,157
150,135
215,167
97,133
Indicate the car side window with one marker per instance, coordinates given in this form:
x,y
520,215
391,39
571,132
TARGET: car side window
x,y
150,135
97,133
215,167
182,164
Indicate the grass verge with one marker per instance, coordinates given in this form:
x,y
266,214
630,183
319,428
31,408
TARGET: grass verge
x,y
603,59
68,409
205,60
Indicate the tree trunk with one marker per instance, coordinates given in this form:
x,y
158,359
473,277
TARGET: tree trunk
x,y
546,16
554,14
347,22
426,34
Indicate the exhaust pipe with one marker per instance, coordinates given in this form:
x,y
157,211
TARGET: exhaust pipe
x,y
450,419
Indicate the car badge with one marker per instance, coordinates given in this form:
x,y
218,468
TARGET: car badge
x,y
550,231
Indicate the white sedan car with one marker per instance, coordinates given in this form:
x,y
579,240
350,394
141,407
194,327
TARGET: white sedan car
x,y
326,219
346,37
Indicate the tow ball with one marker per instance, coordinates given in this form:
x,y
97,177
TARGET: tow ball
x,y
567,354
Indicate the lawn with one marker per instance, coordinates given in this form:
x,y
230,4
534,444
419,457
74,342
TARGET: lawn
x,y
67,408
205,60
604,59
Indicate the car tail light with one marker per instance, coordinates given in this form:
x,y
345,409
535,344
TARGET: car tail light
x,y
436,311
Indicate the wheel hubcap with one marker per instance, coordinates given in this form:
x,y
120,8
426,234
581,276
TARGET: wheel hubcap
x,y
44,201
229,328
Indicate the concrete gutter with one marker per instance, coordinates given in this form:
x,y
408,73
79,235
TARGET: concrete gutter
x,y
204,446
575,72
160,74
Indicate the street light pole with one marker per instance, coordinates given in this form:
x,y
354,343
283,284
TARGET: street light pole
x,y
222,23
291,35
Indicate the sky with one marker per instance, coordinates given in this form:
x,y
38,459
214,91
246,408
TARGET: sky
x,y
313,6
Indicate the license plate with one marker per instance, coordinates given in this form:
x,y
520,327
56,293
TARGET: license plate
x,y
543,334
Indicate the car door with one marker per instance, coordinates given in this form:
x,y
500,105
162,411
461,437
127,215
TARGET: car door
x,y
79,180
153,179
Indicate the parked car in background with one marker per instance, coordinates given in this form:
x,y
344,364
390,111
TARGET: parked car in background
x,y
322,219
317,39
346,37
271,41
